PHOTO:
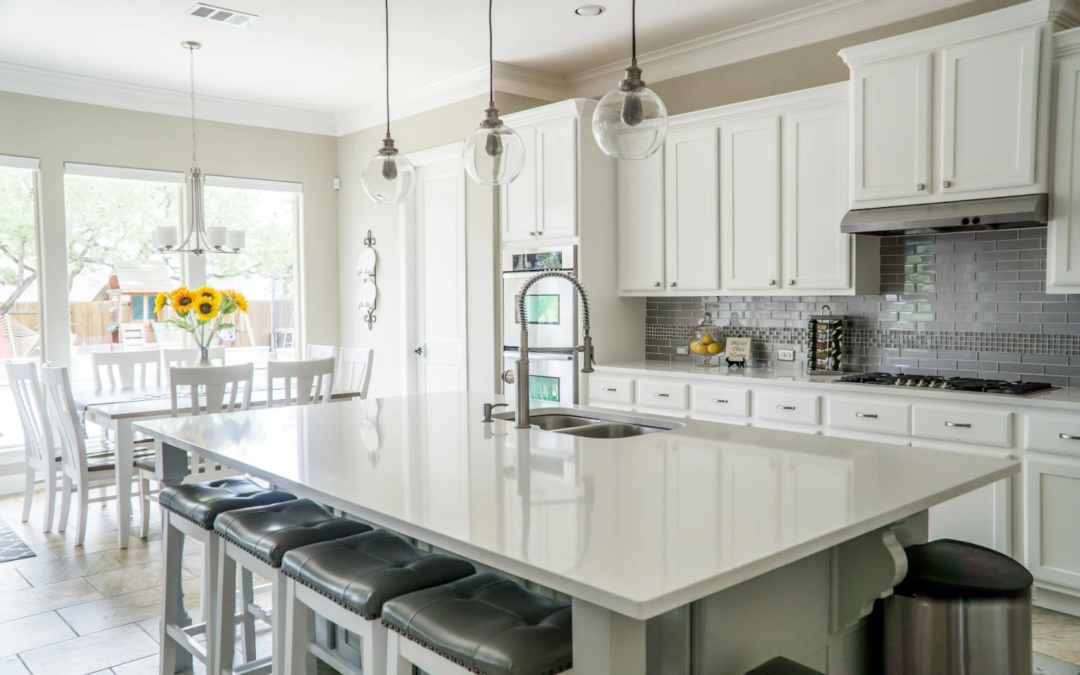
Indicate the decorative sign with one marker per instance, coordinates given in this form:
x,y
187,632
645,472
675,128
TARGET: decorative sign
x,y
738,351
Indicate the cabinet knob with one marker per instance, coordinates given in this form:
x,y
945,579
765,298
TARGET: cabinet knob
x,y
791,282
920,186
772,282
674,284
540,233
946,184
657,285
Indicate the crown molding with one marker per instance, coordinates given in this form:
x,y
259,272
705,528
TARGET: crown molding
x,y
80,89
1066,43
820,22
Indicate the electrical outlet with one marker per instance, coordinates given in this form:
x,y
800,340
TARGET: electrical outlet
x,y
682,351
786,355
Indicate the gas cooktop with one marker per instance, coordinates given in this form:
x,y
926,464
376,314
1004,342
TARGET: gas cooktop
x,y
967,384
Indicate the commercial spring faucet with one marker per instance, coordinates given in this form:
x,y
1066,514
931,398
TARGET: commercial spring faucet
x,y
522,374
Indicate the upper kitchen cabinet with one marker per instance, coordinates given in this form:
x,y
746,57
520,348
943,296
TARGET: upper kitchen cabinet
x,y
750,204
954,112
691,227
542,203
641,224
1063,231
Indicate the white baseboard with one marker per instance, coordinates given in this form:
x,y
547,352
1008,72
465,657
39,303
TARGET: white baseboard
x,y
1057,599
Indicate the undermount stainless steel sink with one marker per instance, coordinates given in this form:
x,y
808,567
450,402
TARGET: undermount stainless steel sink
x,y
600,425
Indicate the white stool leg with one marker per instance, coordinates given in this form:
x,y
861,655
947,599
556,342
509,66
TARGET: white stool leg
x,y
396,664
225,606
173,553
373,652
278,621
299,633
247,598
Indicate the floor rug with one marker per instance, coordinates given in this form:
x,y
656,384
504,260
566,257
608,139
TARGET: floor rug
x,y
11,547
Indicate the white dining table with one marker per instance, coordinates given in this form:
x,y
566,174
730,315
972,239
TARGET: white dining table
x,y
118,408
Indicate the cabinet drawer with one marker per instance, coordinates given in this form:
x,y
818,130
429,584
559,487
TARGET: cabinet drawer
x,y
790,408
611,389
669,395
1058,435
884,418
965,426
722,401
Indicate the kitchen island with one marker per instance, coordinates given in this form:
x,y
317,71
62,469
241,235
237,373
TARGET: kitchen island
x,y
705,548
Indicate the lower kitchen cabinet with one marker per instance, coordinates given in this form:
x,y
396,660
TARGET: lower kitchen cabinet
x,y
1053,521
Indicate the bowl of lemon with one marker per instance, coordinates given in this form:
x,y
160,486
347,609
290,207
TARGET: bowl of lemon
x,y
707,342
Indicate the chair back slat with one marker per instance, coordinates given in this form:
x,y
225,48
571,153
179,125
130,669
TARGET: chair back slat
x,y
312,380
213,384
356,369
66,417
315,352
127,369
30,404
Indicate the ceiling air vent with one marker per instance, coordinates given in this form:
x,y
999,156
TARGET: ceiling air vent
x,y
229,17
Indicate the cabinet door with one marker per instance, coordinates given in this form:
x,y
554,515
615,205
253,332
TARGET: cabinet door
x,y
817,255
1053,511
988,112
691,222
641,224
890,129
752,504
750,205
1063,232
556,178
519,215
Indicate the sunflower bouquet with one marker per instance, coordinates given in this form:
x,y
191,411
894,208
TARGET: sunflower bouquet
x,y
202,311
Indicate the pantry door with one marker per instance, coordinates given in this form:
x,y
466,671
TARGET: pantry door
x,y
437,211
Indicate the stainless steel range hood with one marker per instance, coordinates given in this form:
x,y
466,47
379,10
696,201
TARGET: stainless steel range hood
x,y
1002,213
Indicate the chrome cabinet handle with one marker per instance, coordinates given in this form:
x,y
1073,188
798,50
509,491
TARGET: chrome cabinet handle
x,y
719,400
959,425
791,282
772,282
920,186
871,416
610,389
1067,437
674,284
946,184
657,285
540,233
662,395
785,407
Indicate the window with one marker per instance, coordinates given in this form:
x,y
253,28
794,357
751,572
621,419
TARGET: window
x,y
20,331
114,272
265,270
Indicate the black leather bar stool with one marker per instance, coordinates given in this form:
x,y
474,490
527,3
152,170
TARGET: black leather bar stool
x,y
189,513
257,539
485,624
348,581
782,666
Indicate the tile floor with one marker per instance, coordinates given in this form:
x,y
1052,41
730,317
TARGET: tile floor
x,y
92,610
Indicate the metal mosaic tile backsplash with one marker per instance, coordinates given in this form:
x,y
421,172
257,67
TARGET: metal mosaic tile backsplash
x,y
963,304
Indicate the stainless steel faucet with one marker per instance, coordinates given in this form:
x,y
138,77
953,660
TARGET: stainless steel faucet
x,y
522,376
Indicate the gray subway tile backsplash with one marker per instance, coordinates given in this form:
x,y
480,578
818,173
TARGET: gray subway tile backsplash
x,y
971,304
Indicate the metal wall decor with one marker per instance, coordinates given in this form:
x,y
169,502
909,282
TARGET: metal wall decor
x,y
368,289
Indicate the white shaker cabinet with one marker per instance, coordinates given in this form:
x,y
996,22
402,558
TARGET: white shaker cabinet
x,y
691,223
641,224
1063,231
519,218
541,204
750,204
1053,502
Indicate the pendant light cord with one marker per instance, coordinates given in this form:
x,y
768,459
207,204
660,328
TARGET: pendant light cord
x,y
633,31
491,55
191,51
387,14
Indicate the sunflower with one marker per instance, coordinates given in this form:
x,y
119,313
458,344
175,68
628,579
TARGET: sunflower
x,y
206,307
183,300
238,298
159,302
208,292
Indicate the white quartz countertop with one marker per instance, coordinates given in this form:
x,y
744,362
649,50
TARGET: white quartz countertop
x,y
639,525
1066,398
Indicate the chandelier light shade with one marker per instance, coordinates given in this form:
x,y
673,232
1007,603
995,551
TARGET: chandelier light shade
x,y
631,121
494,154
389,177
196,240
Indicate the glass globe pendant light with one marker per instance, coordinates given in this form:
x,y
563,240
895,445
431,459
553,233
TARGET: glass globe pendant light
x,y
630,122
494,154
389,177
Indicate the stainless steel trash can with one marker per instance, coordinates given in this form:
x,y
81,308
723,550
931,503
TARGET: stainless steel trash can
x,y
961,610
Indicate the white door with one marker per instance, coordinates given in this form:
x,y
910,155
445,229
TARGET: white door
x,y
990,142
641,224
556,177
750,205
1053,525
817,256
691,222
1063,233
519,216
439,213
890,127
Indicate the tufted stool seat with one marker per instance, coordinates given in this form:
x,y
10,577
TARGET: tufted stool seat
x,y
484,623
782,666
202,503
347,581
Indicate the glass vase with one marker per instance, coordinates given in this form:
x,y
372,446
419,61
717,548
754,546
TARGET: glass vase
x,y
204,358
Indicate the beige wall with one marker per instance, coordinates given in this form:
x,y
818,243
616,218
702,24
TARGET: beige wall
x,y
57,131
358,214
801,68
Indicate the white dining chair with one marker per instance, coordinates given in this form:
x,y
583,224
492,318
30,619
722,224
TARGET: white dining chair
x,y
132,334
41,452
355,371
82,471
188,357
321,352
312,381
126,369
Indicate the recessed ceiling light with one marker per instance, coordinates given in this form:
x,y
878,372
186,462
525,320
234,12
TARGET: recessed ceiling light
x,y
589,10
